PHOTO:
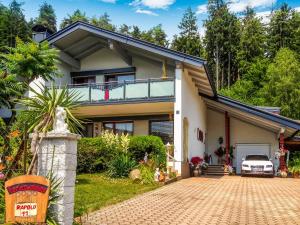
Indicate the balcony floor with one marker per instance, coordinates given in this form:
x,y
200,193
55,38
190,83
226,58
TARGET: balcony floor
x,y
129,109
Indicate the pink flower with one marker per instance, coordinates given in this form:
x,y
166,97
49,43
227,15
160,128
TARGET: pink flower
x,y
2,176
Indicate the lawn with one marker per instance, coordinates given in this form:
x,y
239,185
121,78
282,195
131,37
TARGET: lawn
x,y
94,191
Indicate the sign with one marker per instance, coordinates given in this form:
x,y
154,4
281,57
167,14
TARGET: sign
x,y
26,199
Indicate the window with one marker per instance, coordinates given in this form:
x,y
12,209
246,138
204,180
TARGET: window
x,y
119,127
84,80
163,129
119,78
88,130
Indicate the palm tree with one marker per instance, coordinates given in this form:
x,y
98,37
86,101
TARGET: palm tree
x,y
42,109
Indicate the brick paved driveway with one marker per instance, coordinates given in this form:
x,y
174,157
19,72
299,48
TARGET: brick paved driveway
x,y
226,200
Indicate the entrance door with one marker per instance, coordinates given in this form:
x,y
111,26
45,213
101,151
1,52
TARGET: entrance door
x,y
242,150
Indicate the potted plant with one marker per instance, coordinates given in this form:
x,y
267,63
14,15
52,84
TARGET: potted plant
x,y
294,165
195,166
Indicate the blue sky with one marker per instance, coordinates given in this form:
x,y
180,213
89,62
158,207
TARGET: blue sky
x,y
147,13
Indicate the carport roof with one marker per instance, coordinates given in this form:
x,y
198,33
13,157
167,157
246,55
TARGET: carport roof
x,y
284,122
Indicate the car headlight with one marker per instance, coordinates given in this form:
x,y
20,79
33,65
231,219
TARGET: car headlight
x,y
269,166
245,165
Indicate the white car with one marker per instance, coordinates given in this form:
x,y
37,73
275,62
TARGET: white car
x,y
257,165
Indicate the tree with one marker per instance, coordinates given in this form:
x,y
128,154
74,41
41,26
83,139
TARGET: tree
x,y
43,107
189,40
76,16
155,35
47,17
284,30
136,32
222,36
252,41
125,29
12,25
103,22
282,86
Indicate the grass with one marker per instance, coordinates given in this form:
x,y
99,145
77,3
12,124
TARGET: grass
x,y
94,191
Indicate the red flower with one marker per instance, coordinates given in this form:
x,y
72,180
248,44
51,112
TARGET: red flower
x,y
196,160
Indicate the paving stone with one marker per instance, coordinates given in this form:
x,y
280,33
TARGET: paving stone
x,y
225,200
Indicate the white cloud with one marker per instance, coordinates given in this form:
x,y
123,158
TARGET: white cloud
x,y
147,12
240,5
297,9
265,16
201,9
153,4
109,1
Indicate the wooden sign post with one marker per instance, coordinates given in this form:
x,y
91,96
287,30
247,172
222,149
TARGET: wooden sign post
x,y
26,199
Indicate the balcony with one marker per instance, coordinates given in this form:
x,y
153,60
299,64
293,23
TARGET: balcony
x,y
152,90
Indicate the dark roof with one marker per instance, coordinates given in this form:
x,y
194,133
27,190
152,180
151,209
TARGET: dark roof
x,y
169,53
258,112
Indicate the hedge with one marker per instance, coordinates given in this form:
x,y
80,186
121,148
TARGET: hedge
x,y
94,155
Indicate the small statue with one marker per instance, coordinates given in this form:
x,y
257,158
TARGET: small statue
x,y
276,162
59,125
146,157
156,175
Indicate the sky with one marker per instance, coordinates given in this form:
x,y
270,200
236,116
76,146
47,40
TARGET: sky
x,y
149,13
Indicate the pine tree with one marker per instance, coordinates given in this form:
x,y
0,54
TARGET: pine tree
x,y
189,40
76,16
13,24
222,36
103,22
252,41
155,35
47,17
283,30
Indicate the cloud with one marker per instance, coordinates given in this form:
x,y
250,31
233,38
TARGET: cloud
x,y
201,9
147,12
109,1
297,9
240,5
265,16
153,4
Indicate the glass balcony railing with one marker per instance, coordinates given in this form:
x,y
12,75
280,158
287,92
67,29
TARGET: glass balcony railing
x,y
151,89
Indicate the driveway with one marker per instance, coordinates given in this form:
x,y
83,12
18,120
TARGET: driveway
x,y
225,200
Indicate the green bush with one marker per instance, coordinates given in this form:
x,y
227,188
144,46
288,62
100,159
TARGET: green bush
x,y
95,153
147,174
121,165
153,145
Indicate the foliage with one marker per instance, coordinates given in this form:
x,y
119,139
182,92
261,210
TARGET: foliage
x,y
10,89
153,145
76,16
189,40
282,87
147,174
95,153
121,165
13,25
222,36
294,164
2,203
42,107
46,17
103,22
30,61
283,30
94,191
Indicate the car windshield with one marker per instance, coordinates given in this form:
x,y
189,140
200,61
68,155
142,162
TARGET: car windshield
x,y
257,157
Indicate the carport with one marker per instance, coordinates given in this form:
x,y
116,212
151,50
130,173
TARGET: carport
x,y
246,129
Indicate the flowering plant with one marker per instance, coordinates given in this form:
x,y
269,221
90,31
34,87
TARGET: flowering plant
x,y
196,160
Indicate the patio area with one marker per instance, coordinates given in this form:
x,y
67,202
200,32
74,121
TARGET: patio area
x,y
215,200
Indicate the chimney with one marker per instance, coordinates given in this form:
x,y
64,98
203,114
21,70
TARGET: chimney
x,y
40,33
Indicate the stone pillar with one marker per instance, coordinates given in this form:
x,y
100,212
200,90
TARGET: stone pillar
x,y
58,153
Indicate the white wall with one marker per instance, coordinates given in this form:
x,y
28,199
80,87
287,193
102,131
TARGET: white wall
x,y
240,133
188,104
194,109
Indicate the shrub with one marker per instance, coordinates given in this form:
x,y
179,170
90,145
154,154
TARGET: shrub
x,y
95,153
153,145
121,165
147,174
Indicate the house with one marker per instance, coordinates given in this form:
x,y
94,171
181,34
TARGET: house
x,y
132,86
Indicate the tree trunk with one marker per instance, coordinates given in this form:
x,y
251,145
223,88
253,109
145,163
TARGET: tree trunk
x,y
222,78
217,66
